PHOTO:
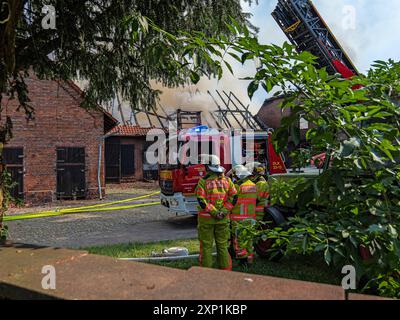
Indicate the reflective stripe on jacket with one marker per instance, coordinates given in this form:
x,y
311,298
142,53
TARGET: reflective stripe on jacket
x,y
216,193
245,207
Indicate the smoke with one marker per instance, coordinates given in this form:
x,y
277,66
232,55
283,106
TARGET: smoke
x,y
197,98
373,35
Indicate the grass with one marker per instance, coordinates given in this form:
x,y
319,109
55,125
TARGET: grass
x,y
306,268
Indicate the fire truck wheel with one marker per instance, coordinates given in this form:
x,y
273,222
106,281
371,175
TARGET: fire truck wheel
x,y
275,218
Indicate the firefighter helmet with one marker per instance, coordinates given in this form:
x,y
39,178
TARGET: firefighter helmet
x,y
256,167
212,163
241,172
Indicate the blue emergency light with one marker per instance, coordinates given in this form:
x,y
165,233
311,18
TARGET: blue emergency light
x,y
198,129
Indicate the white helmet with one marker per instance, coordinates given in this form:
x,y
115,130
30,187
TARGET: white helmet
x,y
255,167
212,162
241,171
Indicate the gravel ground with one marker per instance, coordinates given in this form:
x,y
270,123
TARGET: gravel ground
x,y
145,224
148,224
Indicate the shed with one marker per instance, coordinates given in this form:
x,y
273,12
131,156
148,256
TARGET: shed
x,y
125,155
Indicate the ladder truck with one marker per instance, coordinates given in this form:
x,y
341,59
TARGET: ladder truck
x,y
307,31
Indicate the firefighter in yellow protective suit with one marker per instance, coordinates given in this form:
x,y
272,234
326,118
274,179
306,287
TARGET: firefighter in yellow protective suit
x,y
216,195
257,170
244,212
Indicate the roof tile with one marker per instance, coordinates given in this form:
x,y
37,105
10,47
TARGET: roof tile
x,y
130,131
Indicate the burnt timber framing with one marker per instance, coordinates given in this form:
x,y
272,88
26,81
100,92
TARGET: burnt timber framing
x,y
230,113
233,112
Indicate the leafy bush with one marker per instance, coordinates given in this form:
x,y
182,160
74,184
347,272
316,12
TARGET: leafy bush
x,y
284,192
300,158
6,184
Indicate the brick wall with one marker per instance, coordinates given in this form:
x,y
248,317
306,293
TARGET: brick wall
x,y
59,122
272,114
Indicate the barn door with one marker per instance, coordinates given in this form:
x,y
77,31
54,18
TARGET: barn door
x,y
14,161
71,173
112,159
127,160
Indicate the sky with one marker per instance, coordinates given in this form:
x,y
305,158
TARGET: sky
x,y
368,30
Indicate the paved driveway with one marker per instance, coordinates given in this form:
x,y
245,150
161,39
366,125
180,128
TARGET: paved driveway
x,y
146,224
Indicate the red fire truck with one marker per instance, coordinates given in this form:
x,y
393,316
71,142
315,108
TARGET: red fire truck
x,y
178,180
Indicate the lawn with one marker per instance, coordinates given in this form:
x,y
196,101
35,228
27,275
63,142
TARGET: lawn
x,y
310,268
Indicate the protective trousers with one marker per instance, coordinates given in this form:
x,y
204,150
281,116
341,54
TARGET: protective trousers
x,y
207,233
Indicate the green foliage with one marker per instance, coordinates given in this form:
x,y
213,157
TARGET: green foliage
x,y
284,192
355,202
7,185
301,158
108,43
3,233
388,285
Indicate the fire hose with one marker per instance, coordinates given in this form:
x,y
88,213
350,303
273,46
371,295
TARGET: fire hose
x,y
102,207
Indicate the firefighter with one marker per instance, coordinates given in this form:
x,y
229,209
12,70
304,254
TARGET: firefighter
x,y
216,195
244,212
257,170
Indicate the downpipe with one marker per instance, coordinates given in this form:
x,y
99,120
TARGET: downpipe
x,y
102,141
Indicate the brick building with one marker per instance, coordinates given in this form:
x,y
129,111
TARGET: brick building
x,y
56,155
272,114
125,155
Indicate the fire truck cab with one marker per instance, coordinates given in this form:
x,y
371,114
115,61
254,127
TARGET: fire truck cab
x,y
178,180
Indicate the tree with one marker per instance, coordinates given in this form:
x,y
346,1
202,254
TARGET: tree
x,y
106,42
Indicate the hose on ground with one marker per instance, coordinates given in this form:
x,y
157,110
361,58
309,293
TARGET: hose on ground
x,y
91,208
170,258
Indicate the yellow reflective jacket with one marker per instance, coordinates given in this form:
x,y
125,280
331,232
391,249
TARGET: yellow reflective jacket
x,y
215,193
245,207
